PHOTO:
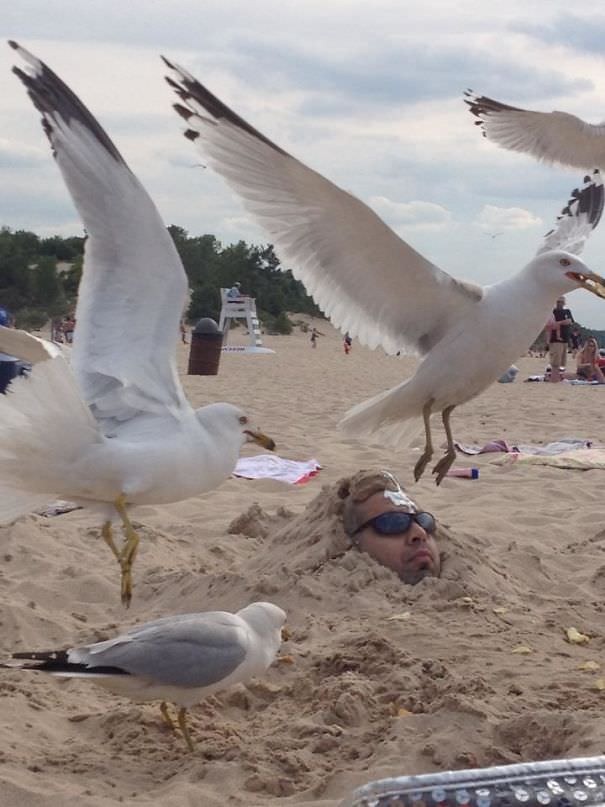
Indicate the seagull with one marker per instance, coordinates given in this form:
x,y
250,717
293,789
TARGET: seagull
x,y
554,137
111,428
181,659
371,283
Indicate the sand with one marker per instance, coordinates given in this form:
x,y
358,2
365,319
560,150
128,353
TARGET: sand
x,y
385,679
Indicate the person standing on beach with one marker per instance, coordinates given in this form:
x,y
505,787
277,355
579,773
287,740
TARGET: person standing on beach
x,y
347,342
314,334
558,339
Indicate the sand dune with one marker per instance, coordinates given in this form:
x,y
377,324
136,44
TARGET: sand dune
x,y
385,679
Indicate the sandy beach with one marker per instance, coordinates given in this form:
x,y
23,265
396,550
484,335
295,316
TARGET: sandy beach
x,y
384,678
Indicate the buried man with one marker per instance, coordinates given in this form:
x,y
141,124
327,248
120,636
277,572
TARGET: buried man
x,y
381,519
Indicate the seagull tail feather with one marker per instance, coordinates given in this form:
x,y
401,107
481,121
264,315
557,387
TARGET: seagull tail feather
x,y
392,415
44,426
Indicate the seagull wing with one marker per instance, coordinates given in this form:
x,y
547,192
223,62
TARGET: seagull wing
x,y
27,347
134,287
554,137
190,650
578,218
365,278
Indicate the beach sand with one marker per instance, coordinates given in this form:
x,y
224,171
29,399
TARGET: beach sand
x,y
384,679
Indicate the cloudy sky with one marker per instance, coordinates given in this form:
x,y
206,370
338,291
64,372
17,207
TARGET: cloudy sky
x,y
370,94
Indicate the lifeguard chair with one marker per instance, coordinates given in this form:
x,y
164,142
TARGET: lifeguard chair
x,y
241,308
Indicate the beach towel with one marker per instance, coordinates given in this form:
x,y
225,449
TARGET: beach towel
x,y
582,459
271,466
501,446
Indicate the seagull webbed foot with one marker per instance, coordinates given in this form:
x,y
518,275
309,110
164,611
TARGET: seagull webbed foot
x,y
443,466
420,466
446,462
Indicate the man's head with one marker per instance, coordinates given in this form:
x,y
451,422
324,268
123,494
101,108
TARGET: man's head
x,y
560,302
381,519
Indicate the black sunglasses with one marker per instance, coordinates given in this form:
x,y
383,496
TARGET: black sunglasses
x,y
396,523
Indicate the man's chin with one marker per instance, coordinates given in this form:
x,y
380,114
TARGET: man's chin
x,y
413,576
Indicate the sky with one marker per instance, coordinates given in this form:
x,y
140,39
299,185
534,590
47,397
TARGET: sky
x,y
369,94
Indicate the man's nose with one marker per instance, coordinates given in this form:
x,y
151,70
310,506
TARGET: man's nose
x,y
416,534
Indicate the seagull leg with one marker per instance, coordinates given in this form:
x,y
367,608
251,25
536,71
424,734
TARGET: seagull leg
x,y
107,534
182,718
428,445
445,463
166,716
129,550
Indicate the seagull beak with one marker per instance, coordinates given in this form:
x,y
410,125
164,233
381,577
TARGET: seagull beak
x,y
261,439
589,281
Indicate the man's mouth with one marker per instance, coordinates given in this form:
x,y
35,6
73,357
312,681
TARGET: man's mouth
x,y
423,556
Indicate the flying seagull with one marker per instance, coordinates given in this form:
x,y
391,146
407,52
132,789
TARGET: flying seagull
x,y
554,137
181,659
112,428
372,284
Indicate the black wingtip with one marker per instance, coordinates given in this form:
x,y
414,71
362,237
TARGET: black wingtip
x,y
53,98
183,111
13,44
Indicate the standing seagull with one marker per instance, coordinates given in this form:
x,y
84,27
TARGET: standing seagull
x,y
112,428
554,137
375,286
178,658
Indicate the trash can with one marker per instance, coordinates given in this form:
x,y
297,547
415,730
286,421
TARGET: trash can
x,y
205,351
8,370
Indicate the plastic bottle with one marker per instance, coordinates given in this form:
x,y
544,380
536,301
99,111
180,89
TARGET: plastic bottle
x,y
464,473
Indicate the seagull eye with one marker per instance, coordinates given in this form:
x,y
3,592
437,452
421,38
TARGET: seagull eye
x,y
243,420
565,262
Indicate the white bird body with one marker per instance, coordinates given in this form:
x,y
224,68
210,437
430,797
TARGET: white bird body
x,y
376,287
112,428
181,659
255,631
508,317
166,471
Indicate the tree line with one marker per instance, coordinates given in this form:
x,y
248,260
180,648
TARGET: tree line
x,y
39,277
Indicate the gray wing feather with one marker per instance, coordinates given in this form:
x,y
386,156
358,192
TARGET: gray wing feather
x,y
365,278
556,137
194,650
578,218
133,287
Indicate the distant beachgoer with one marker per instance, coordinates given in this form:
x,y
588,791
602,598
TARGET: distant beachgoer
x,y
347,343
575,341
183,330
314,334
69,326
587,362
234,292
382,520
56,330
558,332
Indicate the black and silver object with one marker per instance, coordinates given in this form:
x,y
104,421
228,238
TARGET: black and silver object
x,y
556,783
